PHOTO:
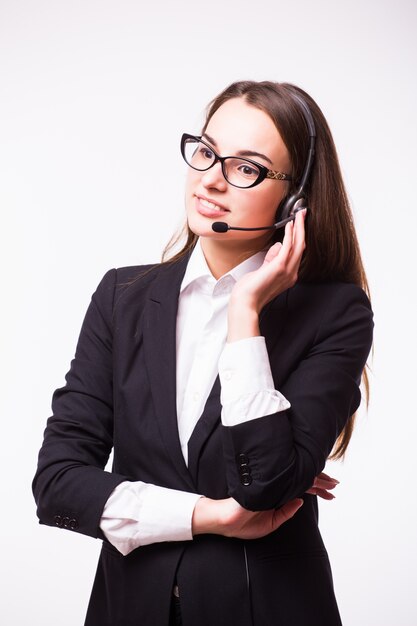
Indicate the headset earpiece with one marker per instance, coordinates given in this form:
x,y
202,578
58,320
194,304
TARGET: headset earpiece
x,y
290,205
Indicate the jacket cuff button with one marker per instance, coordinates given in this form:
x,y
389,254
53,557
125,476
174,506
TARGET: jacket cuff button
x,y
246,479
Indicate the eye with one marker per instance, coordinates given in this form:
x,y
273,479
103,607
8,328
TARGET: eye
x,y
205,152
248,170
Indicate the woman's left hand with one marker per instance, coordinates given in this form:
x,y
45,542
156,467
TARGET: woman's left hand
x,y
322,485
278,273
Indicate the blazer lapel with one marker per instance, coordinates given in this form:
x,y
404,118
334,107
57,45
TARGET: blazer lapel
x,y
159,339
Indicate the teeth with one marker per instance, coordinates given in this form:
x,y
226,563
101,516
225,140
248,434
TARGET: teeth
x,y
210,205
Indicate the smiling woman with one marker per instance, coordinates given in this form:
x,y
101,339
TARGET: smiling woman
x,y
222,378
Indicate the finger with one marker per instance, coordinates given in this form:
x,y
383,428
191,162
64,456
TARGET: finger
x,y
279,252
299,229
285,512
298,244
322,493
281,255
294,251
287,242
324,476
324,483
273,252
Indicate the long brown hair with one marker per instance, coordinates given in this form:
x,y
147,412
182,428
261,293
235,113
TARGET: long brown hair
x,y
332,250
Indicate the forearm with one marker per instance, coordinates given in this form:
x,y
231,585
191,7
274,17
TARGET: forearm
x,y
226,517
138,514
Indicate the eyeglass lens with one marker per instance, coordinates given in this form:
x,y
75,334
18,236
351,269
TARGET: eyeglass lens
x,y
238,172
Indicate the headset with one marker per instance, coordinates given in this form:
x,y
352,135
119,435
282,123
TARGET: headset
x,y
298,200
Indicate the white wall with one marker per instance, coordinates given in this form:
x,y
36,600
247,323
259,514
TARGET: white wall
x,y
92,92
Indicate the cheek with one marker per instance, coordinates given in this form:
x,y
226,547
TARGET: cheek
x,y
277,195
191,182
264,204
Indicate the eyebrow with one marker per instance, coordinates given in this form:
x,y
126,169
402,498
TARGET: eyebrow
x,y
243,153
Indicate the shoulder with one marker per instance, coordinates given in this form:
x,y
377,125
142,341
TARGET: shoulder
x,y
117,280
124,285
117,283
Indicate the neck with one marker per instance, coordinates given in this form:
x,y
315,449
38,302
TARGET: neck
x,y
223,256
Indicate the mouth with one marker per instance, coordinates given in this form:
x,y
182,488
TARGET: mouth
x,y
208,208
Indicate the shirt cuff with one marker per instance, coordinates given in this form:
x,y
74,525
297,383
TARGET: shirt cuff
x,y
247,386
137,514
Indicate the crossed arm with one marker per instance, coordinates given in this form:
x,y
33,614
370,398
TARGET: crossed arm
x,y
227,517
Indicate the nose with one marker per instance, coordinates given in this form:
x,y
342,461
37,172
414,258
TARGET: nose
x,y
214,179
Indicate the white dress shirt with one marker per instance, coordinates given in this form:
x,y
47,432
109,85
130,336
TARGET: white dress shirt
x,y
139,513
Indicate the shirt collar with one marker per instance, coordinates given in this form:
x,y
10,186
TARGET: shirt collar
x,y
197,267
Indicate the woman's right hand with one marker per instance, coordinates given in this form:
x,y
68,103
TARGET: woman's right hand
x,y
226,517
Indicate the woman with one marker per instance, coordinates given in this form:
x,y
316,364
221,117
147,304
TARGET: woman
x,y
223,379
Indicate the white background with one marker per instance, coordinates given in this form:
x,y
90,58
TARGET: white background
x,y
93,98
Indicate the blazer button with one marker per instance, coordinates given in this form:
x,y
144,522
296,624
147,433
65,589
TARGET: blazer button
x,y
73,524
245,469
246,479
58,521
242,459
65,522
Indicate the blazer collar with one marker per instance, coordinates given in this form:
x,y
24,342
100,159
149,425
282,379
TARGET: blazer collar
x,y
159,336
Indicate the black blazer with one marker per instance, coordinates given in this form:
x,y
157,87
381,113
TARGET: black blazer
x,y
120,394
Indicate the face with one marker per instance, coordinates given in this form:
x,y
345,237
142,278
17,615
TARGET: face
x,y
238,128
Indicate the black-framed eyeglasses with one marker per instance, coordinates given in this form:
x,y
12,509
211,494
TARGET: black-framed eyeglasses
x,y
239,172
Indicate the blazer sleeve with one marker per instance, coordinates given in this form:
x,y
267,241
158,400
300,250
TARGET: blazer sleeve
x,y
272,459
70,485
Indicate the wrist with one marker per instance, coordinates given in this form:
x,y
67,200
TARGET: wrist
x,y
205,519
214,517
243,322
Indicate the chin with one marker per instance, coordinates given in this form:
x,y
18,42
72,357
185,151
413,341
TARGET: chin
x,y
200,226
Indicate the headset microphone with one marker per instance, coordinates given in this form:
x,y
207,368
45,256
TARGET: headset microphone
x,y
297,201
222,227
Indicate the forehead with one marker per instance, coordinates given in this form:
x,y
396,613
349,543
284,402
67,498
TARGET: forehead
x,y
239,126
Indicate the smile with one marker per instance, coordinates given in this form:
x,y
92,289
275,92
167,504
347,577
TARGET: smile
x,y
209,209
